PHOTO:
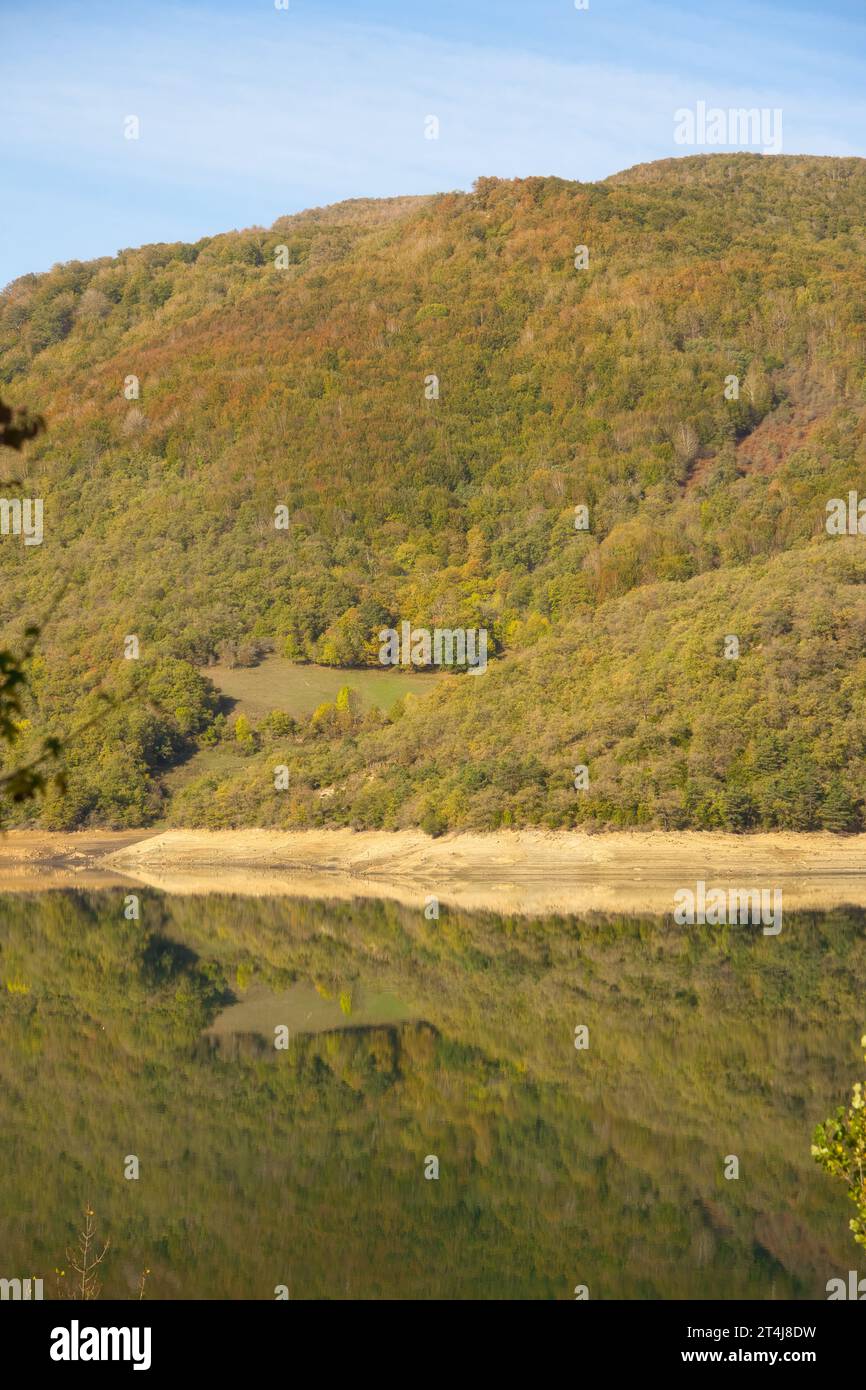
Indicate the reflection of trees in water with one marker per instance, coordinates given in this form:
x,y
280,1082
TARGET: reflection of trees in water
x,y
249,1153
382,1043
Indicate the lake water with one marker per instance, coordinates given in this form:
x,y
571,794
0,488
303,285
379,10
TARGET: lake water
x,y
407,1040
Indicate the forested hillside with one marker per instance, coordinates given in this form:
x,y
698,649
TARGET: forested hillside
x,y
292,368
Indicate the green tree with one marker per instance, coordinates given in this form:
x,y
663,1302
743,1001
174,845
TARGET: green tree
x,y
348,706
244,734
839,811
839,1146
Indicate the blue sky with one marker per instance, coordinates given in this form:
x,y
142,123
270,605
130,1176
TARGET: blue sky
x,y
248,112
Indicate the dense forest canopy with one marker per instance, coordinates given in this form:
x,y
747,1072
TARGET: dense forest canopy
x,y
191,390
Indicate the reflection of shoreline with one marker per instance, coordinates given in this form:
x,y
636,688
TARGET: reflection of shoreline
x,y
527,872
523,896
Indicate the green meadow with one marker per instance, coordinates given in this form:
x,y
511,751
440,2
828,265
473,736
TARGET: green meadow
x,y
279,684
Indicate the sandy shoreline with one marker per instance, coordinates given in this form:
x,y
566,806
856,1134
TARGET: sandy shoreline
x,y
531,871
35,859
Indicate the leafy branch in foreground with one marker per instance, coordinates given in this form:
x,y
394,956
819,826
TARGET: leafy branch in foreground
x,y
27,781
32,778
17,426
21,783
839,1146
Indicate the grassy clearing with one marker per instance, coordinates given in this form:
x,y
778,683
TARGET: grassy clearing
x,y
277,683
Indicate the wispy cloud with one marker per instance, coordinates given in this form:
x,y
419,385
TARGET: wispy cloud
x,y
246,116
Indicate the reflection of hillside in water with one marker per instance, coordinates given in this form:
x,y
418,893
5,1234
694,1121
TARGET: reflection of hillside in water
x,y
235,1044
306,1166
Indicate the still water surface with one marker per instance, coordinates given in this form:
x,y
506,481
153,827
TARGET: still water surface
x,y
406,1039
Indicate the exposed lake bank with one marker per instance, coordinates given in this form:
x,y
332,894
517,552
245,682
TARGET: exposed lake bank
x,y
528,871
